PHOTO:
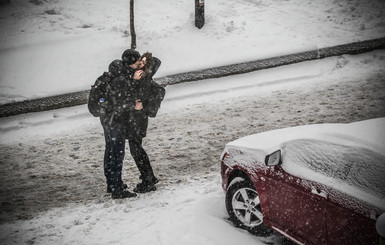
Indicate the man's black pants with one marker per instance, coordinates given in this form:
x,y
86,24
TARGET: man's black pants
x,y
114,154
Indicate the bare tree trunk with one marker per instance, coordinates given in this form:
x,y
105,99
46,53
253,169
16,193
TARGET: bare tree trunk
x,y
133,34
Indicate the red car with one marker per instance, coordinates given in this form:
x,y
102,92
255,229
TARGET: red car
x,y
314,184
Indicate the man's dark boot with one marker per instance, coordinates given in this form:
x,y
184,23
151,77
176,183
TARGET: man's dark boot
x,y
110,191
122,194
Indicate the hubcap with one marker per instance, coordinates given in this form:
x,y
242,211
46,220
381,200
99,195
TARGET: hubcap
x,y
247,208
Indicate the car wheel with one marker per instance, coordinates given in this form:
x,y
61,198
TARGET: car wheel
x,y
244,208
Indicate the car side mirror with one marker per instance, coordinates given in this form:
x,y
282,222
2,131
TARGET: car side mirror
x,y
273,159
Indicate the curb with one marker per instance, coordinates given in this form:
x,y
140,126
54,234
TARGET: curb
x,y
80,98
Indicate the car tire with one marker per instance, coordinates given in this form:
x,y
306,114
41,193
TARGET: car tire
x,y
243,207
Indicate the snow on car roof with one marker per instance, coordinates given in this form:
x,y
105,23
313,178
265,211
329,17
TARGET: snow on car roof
x,y
369,134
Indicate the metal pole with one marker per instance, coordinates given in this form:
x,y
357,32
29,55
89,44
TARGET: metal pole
x,y
199,13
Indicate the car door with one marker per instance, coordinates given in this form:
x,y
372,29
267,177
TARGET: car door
x,y
352,209
349,221
297,206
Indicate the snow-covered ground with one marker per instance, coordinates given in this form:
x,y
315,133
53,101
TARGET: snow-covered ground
x,y
52,187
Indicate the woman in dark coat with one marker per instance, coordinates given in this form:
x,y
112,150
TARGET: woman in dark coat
x,y
139,91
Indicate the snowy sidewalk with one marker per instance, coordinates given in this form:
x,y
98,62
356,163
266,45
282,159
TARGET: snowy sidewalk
x,y
79,98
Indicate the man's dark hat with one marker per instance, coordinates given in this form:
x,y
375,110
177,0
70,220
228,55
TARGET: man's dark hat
x,y
130,56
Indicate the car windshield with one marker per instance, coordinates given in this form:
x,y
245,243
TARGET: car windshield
x,y
368,171
355,166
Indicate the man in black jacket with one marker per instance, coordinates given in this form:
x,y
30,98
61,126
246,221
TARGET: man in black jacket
x,y
126,118
115,121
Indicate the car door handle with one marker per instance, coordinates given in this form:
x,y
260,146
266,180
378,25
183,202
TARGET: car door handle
x,y
373,215
319,192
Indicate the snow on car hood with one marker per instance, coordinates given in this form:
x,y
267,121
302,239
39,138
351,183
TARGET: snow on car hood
x,y
324,153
